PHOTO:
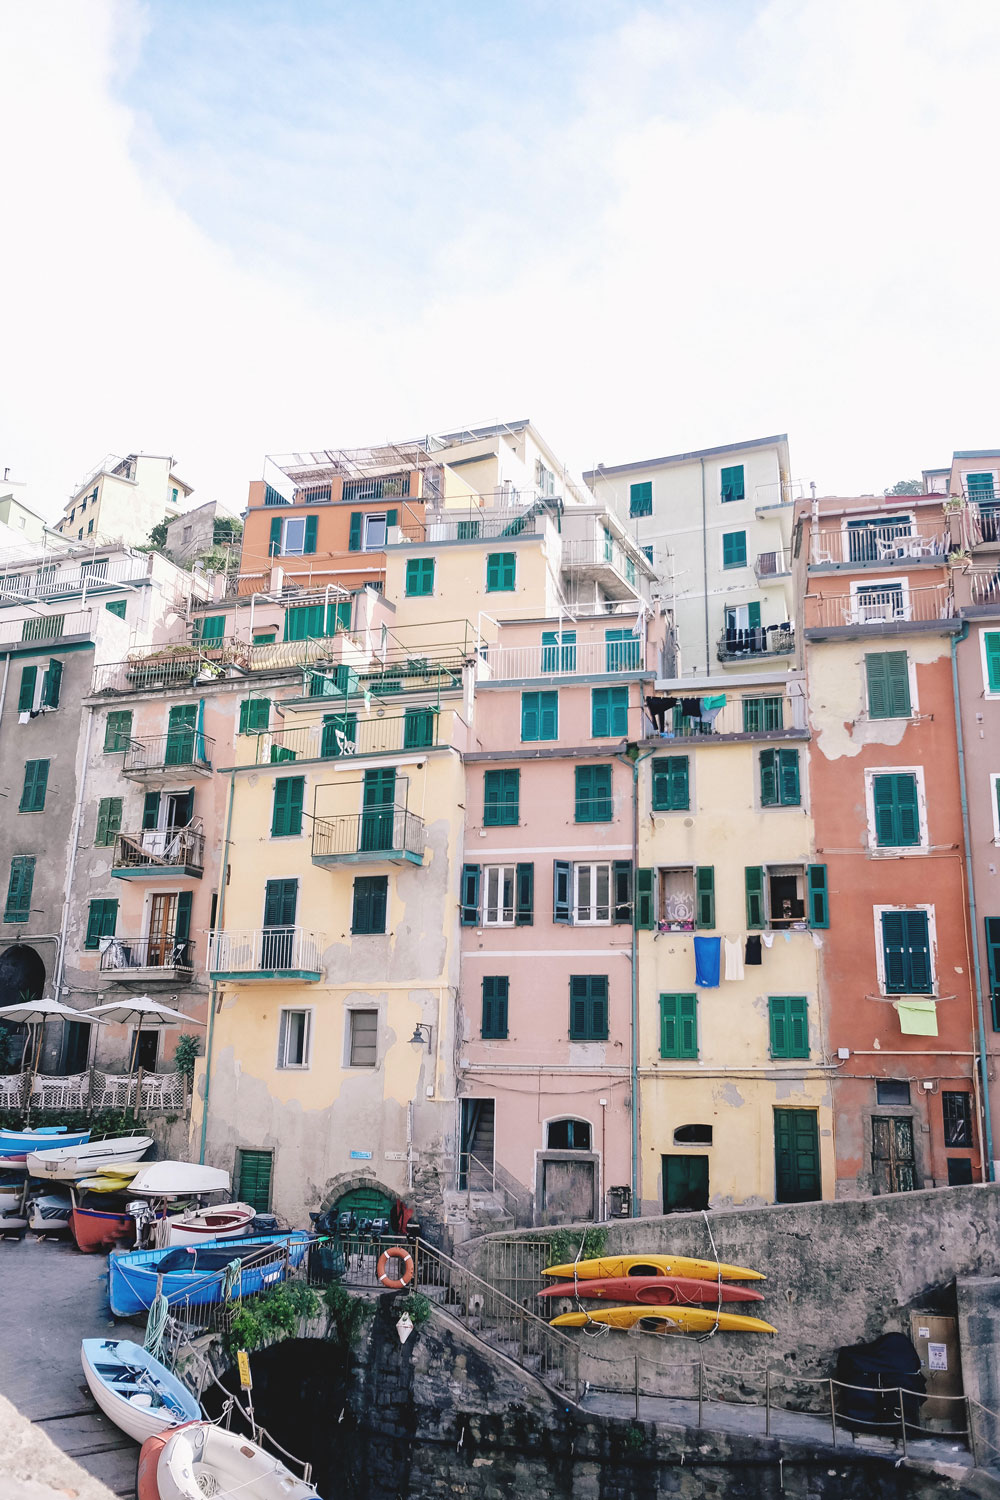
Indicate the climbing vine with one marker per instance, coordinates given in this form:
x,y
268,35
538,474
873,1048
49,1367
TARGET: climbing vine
x,y
270,1318
564,1245
347,1315
417,1305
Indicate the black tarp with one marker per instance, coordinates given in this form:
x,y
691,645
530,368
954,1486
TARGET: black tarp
x,y
882,1368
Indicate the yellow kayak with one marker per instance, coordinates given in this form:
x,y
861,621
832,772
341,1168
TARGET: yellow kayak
x,y
105,1184
652,1265
691,1319
124,1169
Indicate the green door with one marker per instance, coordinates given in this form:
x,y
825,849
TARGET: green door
x,y
280,899
253,1179
180,735
796,1156
376,819
685,1183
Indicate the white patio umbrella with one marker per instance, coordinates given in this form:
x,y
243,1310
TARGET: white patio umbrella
x,y
140,1011
36,1013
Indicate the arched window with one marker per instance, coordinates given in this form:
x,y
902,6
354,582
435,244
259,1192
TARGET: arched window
x,y
568,1135
693,1135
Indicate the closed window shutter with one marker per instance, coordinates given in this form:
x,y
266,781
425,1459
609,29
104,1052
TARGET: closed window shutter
x,y
470,895
799,1025
26,696
888,677
548,727
529,716
671,789
779,1026
280,901
641,499
621,877
51,685
182,923
339,732
500,798
561,876
117,731
755,895
788,772
495,997
884,803
599,1006
600,713
678,1026
101,836
768,778
525,902
22,880
705,889
644,914
819,903
919,950
354,538
993,964
36,777
668,1026
688,1025
893,952
578,995
102,919
244,716
311,526
286,818
993,660
274,542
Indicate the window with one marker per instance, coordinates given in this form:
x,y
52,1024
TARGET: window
x,y
779,778
991,660
647,553
109,820
957,1111
979,486
265,637
540,716
906,955
496,992
734,549
255,715
501,569
763,714
501,799
340,735
593,794
209,628
640,499
286,813
36,779
420,575
895,810
609,712
592,893
253,1179
779,896
671,786
117,607
588,1008
693,1135
679,1026
22,878
622,651
888,678
732,483
892,1091
101,919
26,695
993,965
294,537
568,1135
874,603
90,525
686,898
371,894
419,725
311,621
294,1027
498,895
558,650
788,1016
363,1042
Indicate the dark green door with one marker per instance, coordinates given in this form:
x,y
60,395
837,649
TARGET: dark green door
x,y
796,1156
253,1179
685,1183
180,735
280,898
376,819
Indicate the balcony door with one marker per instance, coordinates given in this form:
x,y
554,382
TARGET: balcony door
x,y
277,940
162,926
377,814
181,725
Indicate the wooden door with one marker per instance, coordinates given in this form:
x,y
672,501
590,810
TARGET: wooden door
x,y
162,920
685,1183
376,819
893,1165
796,1156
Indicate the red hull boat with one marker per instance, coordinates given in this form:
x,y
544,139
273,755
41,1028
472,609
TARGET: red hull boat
x,y
658,1291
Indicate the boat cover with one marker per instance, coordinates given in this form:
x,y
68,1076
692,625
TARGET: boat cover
x,y
889,1363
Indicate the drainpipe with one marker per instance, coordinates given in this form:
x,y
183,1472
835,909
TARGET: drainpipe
x,y
220,907
634,763
3,688
984,1073
704,567
74,844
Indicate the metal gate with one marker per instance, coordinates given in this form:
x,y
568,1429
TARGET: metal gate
x,y
515,1267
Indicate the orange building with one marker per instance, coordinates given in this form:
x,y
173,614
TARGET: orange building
x,y
903,1037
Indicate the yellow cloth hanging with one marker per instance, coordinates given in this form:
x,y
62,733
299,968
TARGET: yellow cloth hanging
x,y
917,1017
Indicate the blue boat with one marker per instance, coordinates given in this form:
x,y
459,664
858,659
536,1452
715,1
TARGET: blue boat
x,y
15,1144
194,1275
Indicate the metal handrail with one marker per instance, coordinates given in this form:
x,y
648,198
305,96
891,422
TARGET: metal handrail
x,y
495,1184
185,746
154,847
124,953
376,830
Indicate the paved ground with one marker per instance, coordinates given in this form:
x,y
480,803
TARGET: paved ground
x,y
52,1298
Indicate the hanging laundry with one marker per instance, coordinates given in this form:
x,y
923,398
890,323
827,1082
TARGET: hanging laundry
x,y
917,1017
734,958
658,707
691,708
767,938
752,954
718,701
707,954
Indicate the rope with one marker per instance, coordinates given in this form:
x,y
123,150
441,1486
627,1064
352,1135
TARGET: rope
x,y
156,1326
231,1279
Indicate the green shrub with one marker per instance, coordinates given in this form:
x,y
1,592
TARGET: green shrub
x,y
270,1318
348,1315
564,1245
417,1305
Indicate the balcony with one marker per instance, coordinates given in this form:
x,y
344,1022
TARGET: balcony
x,y
756,643
162,959
878,544
604,562
159,759
156,853
469,526
586,659
54,581
986,518
773,567
44,628
268,954
766,712
379,835
880,610
346,735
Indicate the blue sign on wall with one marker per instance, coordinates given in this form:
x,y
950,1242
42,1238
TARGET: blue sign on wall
x,y
361,1156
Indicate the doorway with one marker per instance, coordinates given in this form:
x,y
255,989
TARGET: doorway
x,y
685,1183
475,1163
796,1156
894,1166
377,817
76,1046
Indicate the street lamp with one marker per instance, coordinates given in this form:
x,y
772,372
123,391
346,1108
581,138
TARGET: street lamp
x,y
421,1034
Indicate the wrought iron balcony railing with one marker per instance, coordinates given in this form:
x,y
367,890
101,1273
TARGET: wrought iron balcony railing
x,y
376,834
156,851
123,955
290,952
179,748
756,641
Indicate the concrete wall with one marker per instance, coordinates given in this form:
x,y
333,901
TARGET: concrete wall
x,y
192,533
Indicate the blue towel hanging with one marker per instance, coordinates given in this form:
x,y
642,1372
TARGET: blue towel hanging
x,y
707,952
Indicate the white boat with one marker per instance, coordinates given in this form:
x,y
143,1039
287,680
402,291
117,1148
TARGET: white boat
x,y
222,1221
132,1388
49,1213
178,1179
200,1459
67,1163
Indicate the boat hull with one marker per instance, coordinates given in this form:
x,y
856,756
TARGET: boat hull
x,y
16,1144
689,1319
227,1221
71,1162
201,1459
96,1230
651,1265
658,1291
138,1420
49,1214
132,1274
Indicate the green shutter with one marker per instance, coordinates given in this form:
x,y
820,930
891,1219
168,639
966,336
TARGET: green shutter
x,y
621,890
501,797
588,1007
645,916
26,697
117,607
991,640
609,712
274,543
22,879
51,685
310,542
888,677
471,875
420,575
305,623
906,953
501,570
102,917
704,881
671,788
340,732
391,518
819,904
732,486
209,628
788,778
150,810
117,731
993,965
593,794
109,820
524,886
496,988
769,778
558,650
36,779
182,921
254,1179
562,875
640,499
679,1026
753,615
354,540
255,715
754,876
788,1016
418,728
286,816
370,903
734,549
540,716
897,815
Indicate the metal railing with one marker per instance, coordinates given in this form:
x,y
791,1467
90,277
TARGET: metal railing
x,y
591,658
54,580
597,554
378,831
772,565
875,607
240,585
266,950
155,848
475,1176
756,641
764,712
344,734
93,1090
984,587
987,513
474,526
122,955
178,747
882,542
47,627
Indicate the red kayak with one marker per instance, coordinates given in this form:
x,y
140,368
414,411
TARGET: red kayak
x,y
660,1291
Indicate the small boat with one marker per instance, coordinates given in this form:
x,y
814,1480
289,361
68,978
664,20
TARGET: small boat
x,y
99,1184
194,1274
178,1179
100,1224
15,1144
222,1221
201,1459
65,1163
690,1319
49,1213
661,1291
651,1265
139,1394
11,1190
13,1223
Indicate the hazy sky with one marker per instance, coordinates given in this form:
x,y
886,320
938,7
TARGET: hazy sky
x,y
233,228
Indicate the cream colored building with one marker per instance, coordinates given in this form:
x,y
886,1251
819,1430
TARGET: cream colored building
x,y
122,499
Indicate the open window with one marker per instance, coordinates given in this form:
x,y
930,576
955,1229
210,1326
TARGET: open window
x,y
784,896
677,899
568,1135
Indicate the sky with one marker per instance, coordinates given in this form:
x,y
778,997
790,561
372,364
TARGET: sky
x,y
234,228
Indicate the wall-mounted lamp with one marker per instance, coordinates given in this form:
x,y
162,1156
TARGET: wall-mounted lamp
x,y
421,1034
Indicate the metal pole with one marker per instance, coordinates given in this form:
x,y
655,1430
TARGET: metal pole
x,y
833,1416
701,1389
970,1425
767,1402
902,1417
637,1387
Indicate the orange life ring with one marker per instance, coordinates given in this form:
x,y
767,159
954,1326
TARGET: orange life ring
x,y
396,1253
